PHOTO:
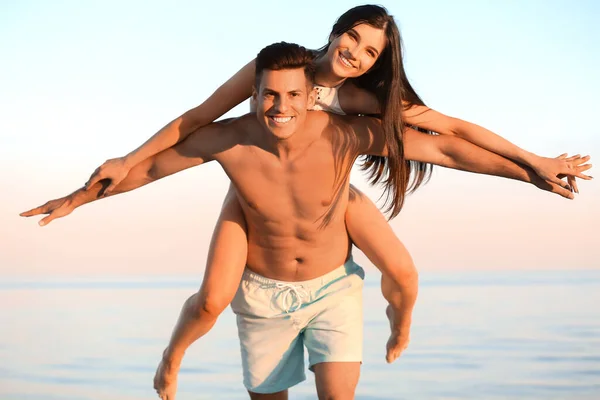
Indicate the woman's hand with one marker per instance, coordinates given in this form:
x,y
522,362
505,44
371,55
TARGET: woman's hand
x,y
115,169
552,169
575,166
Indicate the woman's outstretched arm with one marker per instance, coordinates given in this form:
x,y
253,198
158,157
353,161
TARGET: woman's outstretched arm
x,y
237,89
456,153
355,100
427,118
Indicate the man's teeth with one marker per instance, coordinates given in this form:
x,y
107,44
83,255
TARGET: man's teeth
x,y
281,120
345,61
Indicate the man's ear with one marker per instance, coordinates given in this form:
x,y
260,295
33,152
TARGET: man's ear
x,y
254,93
312,97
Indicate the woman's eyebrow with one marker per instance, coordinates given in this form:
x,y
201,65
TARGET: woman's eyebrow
x,y
354,32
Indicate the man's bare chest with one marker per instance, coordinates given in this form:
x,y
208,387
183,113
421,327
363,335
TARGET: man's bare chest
x,y
304,187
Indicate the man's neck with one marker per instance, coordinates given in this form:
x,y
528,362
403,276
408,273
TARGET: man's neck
x,y
287,149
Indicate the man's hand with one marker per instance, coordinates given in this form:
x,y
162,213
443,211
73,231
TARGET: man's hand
x,y
115,169
57,208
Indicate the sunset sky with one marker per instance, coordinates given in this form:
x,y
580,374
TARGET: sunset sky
x,y
83,81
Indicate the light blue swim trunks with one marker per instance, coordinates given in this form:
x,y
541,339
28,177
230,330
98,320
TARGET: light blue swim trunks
x,y
277,319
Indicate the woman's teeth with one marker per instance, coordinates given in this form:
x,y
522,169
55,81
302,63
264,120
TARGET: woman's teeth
x,y
345,61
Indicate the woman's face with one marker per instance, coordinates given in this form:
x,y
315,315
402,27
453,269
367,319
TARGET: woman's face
x,y
355,51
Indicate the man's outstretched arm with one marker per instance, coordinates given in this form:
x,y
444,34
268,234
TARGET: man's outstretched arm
x,y
453,152
198,148
456,153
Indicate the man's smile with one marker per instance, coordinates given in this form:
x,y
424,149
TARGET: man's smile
x,y
280,119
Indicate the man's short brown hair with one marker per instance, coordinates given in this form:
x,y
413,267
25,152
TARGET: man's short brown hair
x,y
282,55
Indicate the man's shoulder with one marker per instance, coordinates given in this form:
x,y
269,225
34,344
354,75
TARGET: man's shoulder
x,y
222,137
332,120
324,118
315,115
237,123
235,130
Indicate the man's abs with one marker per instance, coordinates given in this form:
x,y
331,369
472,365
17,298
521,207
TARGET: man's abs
x,y
294,258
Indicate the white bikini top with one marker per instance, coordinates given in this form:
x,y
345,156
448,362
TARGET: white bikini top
x,y
327,100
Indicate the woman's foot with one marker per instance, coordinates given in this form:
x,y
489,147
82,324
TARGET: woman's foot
x,y
165,380
398,340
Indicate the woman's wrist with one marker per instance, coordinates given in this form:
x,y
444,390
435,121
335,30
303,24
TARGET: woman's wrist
x,y
129,161
528,158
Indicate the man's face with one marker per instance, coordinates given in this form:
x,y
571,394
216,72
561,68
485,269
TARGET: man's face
x,y
283,99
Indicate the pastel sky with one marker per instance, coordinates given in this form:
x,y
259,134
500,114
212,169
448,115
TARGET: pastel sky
x,y
83,81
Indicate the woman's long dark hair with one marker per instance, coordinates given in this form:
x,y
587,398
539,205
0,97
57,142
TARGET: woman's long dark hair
x,y
387,80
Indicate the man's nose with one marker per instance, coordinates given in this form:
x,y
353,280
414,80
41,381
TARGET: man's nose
x,y
282,105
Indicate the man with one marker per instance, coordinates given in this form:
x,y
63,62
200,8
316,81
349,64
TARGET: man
x,y
291,169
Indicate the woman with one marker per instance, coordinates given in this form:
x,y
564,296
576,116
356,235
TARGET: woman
x,y
360,70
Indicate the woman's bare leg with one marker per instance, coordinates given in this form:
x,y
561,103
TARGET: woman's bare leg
x,y
224,269
370,232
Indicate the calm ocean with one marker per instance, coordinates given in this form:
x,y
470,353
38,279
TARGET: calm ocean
x,y
476,335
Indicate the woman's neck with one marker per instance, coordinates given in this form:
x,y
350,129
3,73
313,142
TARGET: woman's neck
x,y
324,76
